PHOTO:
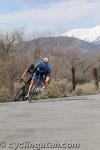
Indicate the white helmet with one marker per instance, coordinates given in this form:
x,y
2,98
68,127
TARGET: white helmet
x,y
45,60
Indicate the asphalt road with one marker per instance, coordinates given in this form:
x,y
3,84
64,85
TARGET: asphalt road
x,y
56,124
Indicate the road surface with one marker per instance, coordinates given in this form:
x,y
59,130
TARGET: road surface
x,y
55,124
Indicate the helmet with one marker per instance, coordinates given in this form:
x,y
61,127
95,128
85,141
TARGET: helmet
x,y
45,60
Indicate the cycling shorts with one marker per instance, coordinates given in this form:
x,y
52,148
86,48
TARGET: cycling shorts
x,y
39,77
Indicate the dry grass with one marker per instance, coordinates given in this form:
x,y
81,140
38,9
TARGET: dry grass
x,y
60,88
63,88
85,89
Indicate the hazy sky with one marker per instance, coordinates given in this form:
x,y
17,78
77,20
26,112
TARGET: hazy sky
x,y
49,14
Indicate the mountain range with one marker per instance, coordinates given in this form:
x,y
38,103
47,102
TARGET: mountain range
x,y
60,44
85,40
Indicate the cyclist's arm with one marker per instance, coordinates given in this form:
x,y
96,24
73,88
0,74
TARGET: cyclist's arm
x,y
25,73
48,77
49,72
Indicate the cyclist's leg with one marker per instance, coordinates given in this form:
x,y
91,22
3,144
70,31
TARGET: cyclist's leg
x,y
29,79
33,81
28,82
47,80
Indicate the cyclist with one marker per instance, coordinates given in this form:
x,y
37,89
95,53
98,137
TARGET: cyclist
x,y
42,71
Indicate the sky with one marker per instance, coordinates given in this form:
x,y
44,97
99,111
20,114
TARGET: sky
x,y
49,15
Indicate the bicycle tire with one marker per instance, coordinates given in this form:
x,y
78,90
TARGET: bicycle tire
x,y
33,95
32,98
20,96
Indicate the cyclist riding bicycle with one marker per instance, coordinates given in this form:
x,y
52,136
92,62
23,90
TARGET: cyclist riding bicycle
x,y
41,71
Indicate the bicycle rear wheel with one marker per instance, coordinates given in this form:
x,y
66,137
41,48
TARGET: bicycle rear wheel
x,y
36,90
32,97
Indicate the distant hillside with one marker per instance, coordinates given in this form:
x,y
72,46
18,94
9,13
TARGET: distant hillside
x,y
97,43
60,44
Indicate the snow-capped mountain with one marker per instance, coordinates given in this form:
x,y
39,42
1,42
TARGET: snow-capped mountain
x,y
86,34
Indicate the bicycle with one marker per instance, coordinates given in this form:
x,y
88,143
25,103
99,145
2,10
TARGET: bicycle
x,y
36,90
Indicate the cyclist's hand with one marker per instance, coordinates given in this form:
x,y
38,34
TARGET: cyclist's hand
x,y
20,80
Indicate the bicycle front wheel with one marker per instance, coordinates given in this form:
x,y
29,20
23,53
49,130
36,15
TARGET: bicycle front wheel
x,y
20,96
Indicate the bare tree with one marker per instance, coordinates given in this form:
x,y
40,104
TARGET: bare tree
x,y
72,59
7,43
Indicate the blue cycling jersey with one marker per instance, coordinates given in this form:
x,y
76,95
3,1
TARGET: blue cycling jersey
x,y
43,69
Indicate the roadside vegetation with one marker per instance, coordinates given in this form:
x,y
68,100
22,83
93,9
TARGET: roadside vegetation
x,y
74,73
